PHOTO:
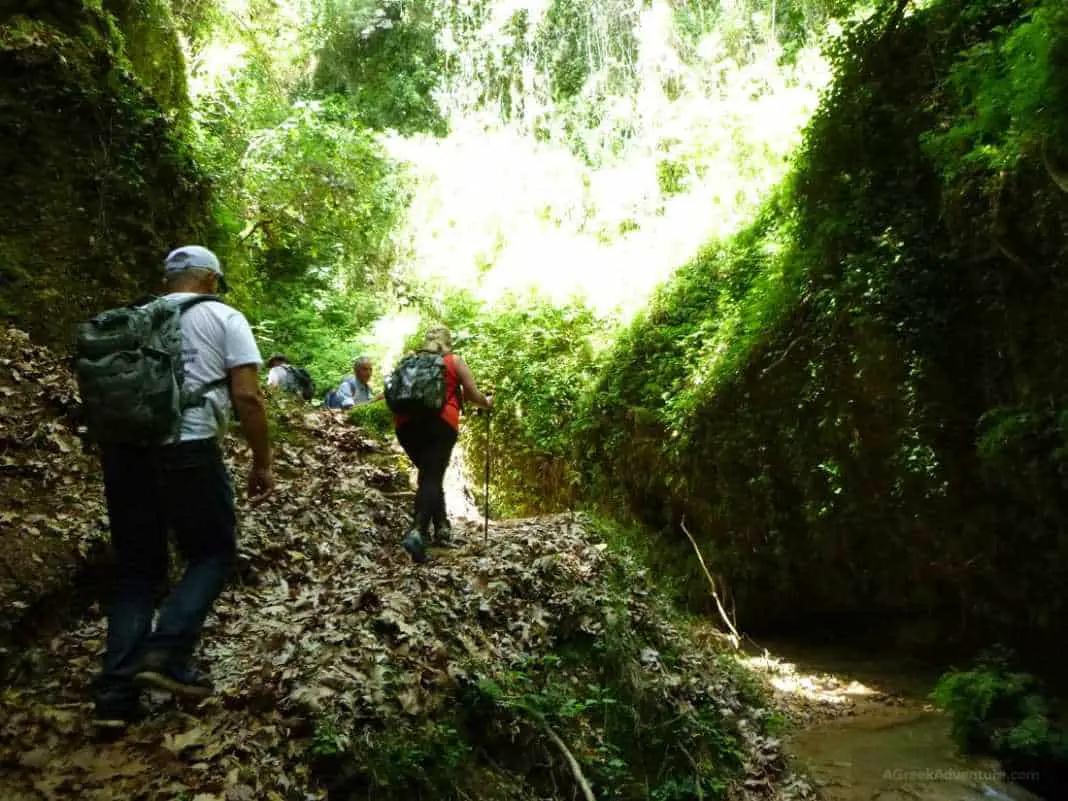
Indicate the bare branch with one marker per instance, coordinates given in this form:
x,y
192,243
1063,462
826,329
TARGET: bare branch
x,y
259,224
735,637
1059,177
576,771
697,772
782,358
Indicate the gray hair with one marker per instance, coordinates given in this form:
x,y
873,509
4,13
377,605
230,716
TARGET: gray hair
x,y
361,361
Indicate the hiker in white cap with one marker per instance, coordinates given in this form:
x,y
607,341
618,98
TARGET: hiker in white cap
x,y
181,484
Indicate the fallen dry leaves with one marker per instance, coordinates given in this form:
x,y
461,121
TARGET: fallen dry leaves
x,y
327,618
52,516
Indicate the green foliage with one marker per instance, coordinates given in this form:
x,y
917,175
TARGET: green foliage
x,y
375,418
422,759
323,193
1007,87
315,326
643,553
328,740
589,695
309,201
743,25
150,42
101,183
197,19
384,58
1003,713
641,709
670,175
578,39
537,359
989,704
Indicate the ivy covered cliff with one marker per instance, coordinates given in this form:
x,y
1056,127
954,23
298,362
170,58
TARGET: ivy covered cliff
x,y
858,402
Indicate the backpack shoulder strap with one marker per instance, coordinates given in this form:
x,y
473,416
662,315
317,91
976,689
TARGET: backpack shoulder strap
x,y
188,303
198,395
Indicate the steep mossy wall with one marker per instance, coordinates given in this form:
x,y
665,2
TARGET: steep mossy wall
x,y
860,405
98,182
150,43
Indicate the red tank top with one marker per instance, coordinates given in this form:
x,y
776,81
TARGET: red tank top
x,y
450,413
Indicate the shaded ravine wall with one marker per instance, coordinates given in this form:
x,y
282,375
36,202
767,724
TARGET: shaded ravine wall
x,y
860,405
99,182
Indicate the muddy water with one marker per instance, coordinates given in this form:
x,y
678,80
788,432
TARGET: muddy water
x,y
870,734
884,753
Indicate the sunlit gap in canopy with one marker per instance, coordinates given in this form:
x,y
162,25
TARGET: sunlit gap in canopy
x,y
220,60
497,210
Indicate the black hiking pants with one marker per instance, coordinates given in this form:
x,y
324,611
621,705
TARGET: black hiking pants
x,y
182,488
428,443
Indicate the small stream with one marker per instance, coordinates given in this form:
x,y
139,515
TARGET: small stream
x,y
890,753
878,738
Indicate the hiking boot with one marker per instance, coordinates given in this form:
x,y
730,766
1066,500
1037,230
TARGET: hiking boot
x,y
117,717
155,672
413,544
443,534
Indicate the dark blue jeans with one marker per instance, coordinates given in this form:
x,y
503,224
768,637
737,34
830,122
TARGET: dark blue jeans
x,y
183,489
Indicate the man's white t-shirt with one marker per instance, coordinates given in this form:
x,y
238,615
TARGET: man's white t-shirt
x,y
215,339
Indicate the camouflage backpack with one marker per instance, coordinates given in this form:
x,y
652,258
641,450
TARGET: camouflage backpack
x,y
417,385
130,371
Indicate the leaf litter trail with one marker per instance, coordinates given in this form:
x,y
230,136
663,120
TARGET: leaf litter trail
x,y
327,620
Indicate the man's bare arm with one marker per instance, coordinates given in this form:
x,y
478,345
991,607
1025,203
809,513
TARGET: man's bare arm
x,y
245,389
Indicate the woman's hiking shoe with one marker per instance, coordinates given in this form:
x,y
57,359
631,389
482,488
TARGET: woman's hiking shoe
x,y
117,717
442,535
158,675
414,545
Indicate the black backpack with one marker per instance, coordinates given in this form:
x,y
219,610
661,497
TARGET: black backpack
x,y
304,381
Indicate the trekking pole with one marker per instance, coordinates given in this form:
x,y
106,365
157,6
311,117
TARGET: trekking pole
x,y
485,525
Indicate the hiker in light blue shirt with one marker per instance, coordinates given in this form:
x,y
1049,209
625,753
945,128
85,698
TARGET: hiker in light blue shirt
x,y
356,388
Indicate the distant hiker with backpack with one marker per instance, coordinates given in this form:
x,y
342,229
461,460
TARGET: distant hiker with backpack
x,y
354,389
284,376
426,393
156,382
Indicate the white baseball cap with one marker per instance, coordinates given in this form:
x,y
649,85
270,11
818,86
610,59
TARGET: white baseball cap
x,y
194,257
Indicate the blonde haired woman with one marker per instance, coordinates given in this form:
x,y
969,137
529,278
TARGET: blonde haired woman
x,y
429,441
